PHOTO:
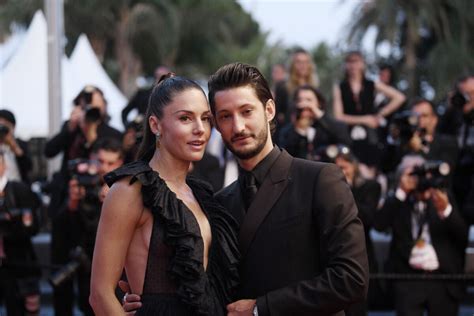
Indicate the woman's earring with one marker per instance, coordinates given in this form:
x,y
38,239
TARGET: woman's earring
x,y
158,136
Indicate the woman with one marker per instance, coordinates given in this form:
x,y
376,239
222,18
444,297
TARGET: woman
x,y
302,72
311,128
177,245
353,103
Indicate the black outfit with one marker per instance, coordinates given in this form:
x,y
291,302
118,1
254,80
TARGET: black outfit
x,y
328,131
24,162
18,275
449,239
302,245
74,145
366,149
175,280
366,195
139,101
282,97
76,228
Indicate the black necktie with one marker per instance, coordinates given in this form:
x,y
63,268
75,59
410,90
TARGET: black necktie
x,y
250,189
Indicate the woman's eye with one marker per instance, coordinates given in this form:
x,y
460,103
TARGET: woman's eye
x,y
184,118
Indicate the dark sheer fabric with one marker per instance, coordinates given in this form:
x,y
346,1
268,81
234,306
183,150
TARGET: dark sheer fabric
x,y
175,280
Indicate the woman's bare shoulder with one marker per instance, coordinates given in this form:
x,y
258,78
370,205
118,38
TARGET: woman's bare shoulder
x,y
124,196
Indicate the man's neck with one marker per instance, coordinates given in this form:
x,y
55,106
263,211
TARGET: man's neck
x,y
249,164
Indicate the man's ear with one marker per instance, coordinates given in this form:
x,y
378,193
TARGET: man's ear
x,y
270,109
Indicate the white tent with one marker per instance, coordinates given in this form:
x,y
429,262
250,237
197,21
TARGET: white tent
x,y
24,88
10,45
88,70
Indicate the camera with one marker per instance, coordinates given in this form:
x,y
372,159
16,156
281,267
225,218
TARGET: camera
x,y
92,114
86,172
84,100
78,258
402,128
432,174
331,152
4,130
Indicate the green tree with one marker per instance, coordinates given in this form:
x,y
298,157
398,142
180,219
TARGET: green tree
x,y
420,32
193,37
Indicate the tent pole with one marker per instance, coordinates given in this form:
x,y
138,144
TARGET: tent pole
x,y
55,19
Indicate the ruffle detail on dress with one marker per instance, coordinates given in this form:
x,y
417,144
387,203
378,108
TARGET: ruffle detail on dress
x,y
207,293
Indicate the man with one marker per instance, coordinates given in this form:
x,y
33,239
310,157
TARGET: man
x,y
427,141
139,100
17,160
76,222
459,120
19,277
302,245
429,237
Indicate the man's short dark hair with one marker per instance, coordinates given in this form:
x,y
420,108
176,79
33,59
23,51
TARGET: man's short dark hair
x,y
7,115
237,75
109,144
420,100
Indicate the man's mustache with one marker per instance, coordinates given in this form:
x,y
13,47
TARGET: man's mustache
x,y
236,137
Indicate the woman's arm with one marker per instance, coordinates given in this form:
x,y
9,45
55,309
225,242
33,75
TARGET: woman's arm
x,y
396,98
119,218
369,120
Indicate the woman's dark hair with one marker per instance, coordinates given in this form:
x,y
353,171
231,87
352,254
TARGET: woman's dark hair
x,y
162,94
319,96
237,75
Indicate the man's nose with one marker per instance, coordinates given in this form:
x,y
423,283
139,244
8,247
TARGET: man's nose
x,y
238,124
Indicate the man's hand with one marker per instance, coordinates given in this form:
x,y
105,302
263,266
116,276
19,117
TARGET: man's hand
x,y
440,200
77,115
241,308
131,302
416,143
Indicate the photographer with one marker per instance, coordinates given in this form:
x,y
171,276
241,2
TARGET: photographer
x,y
417,134
459,120
14,150
19,278
311,128
428,237
76,223
86,125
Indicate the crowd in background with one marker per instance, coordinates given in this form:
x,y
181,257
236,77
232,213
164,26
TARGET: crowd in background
x,y
411,171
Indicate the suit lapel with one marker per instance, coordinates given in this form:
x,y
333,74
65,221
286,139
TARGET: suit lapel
x,y
269,192
233,202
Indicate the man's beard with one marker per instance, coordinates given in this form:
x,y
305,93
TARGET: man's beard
x,y
261,139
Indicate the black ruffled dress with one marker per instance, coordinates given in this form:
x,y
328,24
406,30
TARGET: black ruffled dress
x,y
175,280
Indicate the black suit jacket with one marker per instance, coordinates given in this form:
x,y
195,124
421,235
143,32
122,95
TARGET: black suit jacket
x,y
17,239
448,237
302,244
